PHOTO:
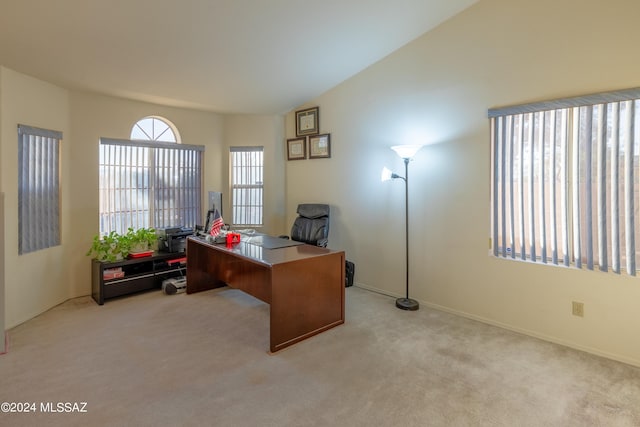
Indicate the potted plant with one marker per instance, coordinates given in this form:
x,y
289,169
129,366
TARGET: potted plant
x,y
139,241
108,248
114,247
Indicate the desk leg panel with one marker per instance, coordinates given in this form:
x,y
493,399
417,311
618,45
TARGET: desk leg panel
x,y
209,267
307,298
203,269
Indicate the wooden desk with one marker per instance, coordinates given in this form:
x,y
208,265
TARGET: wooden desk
x,y
304,285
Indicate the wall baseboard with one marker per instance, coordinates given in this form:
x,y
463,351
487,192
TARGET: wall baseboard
x,y
549,338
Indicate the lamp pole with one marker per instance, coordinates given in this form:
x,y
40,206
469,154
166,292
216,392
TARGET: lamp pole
x,y
406,303
406,152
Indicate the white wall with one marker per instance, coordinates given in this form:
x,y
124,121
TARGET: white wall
x,y
36,281
438,88
266,131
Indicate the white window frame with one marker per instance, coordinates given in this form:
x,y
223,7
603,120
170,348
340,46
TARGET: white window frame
x,y
154,128
136,193
246,166
38,188
584,217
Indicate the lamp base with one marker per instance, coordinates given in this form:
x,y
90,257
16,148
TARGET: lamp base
x,y
407,304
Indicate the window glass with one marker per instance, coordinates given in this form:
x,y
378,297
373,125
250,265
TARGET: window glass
x,y
247,186
566,182
149,183
38,188
153,129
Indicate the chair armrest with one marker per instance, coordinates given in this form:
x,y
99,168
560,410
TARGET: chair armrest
x,y
323,242
284,237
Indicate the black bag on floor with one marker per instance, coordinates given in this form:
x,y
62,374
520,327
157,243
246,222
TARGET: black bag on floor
x,y
350,269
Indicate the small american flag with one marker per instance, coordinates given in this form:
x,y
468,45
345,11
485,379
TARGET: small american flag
x,y
217,224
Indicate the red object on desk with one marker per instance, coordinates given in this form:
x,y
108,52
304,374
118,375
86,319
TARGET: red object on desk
x,y
233,238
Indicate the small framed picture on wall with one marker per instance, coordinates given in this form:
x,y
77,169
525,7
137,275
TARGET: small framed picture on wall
x,y
308,121
297,148
320,146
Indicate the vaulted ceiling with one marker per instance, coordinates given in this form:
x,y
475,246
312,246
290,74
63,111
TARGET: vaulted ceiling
x,y
227,56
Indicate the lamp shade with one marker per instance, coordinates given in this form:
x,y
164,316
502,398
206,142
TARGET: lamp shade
x,y
386,175
406,151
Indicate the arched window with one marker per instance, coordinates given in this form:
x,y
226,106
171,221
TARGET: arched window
x,y
154,128
151,180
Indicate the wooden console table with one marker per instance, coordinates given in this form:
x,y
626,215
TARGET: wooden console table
x,y
134,275
303,284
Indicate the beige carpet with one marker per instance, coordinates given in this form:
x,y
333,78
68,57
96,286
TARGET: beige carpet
x,y
201,360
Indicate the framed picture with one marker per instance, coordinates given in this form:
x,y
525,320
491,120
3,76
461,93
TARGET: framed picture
x,y
297,148
308,121
320,146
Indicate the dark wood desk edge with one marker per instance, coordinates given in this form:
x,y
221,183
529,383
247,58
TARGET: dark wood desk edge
x,y
303,337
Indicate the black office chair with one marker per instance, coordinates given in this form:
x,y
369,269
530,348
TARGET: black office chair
x,y
312,224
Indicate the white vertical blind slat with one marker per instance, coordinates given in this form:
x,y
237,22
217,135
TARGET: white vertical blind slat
x,y
503,184
588,180
523,246
575,181
627,137
601,191
494,187
512,247
564,180
552,188
532,228
541,185
614,188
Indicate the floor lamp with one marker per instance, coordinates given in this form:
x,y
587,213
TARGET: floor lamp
x,y
406,152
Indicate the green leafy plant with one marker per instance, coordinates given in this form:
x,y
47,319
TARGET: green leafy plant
x,y
114,246
140,240
107,248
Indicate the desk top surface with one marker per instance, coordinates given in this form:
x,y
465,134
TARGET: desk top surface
x,y
264,255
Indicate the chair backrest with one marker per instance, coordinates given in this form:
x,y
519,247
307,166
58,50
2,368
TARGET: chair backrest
x,y
312,224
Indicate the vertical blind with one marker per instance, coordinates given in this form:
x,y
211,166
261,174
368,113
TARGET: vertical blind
x,y
149,184
247,173
38,188
566,180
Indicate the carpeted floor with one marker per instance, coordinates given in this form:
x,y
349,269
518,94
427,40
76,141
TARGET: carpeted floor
x,y
202,360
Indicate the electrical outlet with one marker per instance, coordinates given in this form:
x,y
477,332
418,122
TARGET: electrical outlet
x,y
577,308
